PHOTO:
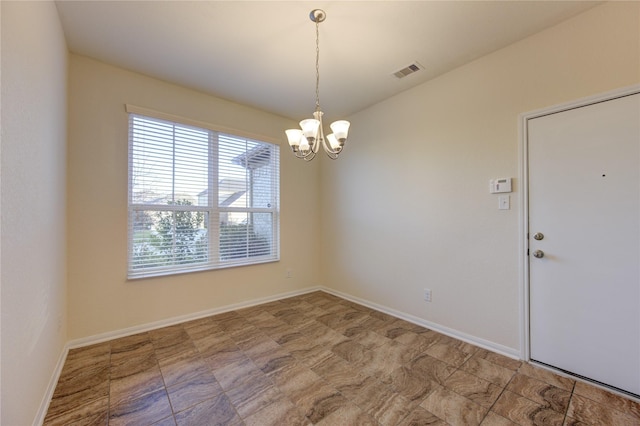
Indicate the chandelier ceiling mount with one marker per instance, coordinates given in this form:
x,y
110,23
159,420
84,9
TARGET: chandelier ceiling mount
x,y
317,15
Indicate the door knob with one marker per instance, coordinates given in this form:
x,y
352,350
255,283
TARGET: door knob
x,y
539,254
538,236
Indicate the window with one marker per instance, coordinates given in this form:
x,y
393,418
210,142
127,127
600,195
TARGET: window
x,y
199,199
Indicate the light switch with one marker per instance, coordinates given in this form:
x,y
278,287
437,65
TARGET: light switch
x,y
504,202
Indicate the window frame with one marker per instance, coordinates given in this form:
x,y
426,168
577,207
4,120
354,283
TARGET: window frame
x,y
213,209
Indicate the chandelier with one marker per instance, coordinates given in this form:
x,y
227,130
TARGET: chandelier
x,y
305,142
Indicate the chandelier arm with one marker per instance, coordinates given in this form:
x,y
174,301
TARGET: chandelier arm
x,y
332,155
307,157
299,154
328,149
313,150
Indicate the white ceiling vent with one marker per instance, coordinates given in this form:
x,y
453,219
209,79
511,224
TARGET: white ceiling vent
x,y
410,69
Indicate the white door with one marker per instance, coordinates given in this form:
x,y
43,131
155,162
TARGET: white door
x,y
584,201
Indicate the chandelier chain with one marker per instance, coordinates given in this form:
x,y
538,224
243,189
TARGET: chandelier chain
x,y
317,65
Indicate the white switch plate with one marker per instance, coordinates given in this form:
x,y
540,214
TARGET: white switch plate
x,y
504,202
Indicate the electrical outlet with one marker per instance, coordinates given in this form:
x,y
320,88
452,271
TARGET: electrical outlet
x,y
427,295
289,273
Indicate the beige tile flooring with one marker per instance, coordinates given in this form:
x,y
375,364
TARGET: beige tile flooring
x,y
315,359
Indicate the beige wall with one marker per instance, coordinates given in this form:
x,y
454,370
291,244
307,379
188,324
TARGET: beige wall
x,y
407,205
101,299
33,262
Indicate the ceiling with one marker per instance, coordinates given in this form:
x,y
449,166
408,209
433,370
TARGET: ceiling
x,y
262,53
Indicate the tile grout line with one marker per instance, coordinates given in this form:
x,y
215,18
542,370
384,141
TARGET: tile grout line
x,y
566,413
109,388
164,383
504,389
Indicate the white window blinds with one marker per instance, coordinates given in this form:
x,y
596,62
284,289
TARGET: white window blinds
x,y
199,199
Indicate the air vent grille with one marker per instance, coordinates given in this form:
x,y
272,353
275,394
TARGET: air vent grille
x,y
408,70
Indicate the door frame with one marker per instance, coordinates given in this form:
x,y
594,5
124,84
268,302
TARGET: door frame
x,y
523,222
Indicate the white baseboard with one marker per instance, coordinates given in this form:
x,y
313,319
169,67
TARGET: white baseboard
x,y
486,344
46,400
103,337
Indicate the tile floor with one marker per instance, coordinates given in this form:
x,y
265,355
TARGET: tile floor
x,y
315,359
